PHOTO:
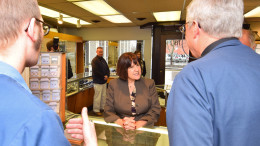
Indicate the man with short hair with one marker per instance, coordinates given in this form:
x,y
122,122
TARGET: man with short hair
x,y
25,120
100,74
248,38
214,101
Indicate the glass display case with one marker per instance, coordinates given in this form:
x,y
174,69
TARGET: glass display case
x,y
79,83
111,134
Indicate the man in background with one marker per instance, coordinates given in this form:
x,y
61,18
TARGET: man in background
x,y
25,120
248,38
50,48
100,74
214,101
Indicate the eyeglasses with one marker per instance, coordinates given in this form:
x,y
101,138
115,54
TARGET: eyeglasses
x,y
183,29
45,26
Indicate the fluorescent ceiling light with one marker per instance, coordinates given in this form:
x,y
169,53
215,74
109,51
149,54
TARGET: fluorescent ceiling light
x,y
167,16
97,7
253,13
74,20
66,18
117,19
51,13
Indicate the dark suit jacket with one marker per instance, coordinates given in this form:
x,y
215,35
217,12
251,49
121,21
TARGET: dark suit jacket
x,y
118,103
99,70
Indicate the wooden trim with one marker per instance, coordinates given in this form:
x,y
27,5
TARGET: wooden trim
x,y
63,85
80,58
65,37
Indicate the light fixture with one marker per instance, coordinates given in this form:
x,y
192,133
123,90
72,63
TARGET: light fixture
x,y
167,16
253,13
117,19
60,19
97,7
74,20
56,15
51,13
78,23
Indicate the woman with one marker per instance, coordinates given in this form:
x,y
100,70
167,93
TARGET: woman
x,y
141,62
132,101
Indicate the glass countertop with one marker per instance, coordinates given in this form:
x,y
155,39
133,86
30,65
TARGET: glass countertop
x,y
111,134
80,76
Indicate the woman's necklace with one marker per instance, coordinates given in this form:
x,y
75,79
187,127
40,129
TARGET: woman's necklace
x,y
131,87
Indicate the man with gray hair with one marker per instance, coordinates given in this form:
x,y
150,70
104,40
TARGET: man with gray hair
x,y
248,38
100,74
25,120
214,101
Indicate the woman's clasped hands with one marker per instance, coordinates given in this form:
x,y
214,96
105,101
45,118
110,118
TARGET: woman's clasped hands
x,y
128,123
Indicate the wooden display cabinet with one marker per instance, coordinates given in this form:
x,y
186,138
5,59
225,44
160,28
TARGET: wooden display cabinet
x,y
80,92
47,81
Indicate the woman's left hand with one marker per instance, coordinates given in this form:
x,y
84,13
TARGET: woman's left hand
x,y
139,124
129,123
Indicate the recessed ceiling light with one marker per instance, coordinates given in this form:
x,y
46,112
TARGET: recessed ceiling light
x,y
117,19
141,18
253,13
167,16
95,21
97,7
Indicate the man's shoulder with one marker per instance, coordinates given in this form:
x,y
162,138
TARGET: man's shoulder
x,y
10,86
94,59
17,98
18,108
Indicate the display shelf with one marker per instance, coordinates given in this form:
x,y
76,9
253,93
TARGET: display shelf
x,y
80,92
79,83
47,81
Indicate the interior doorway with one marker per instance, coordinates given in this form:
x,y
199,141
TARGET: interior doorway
x,y
160,36
175,58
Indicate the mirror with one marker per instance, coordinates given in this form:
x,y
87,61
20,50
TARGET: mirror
x,y
112,51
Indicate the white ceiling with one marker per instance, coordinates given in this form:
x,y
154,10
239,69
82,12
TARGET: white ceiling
x,y
132,9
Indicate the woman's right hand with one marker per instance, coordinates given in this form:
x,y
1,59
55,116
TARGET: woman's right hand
x,y
129,123
120,122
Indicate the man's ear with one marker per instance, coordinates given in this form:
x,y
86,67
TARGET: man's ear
x,y
31,32
195,29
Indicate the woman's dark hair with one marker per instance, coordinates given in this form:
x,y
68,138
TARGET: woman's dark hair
x,y
138,51
49,45
124,62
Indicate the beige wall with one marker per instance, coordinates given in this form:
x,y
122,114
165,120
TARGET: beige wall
x,y
117,33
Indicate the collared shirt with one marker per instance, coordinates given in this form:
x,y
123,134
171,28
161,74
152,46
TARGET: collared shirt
x,y
215,99
8,70
25,119
214,44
